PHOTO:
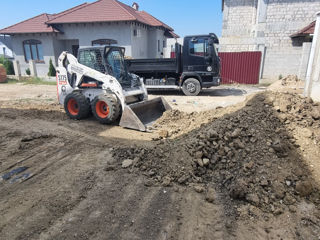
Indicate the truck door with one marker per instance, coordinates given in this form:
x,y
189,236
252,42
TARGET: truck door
x,y
194,55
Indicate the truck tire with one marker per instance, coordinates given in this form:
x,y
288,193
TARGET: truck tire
x,y
191,87
76,106
106,108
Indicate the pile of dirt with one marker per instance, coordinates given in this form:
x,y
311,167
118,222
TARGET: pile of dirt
x,y
175,123
247,155
290,83
290,80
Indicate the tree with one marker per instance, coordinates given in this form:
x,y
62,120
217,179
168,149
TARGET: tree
x,y
52,70
8,65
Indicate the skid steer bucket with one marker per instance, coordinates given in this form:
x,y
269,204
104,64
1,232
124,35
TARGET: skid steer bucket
x,y
140,115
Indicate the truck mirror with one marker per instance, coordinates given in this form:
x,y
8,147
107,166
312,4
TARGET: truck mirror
x,y
210,42
194,40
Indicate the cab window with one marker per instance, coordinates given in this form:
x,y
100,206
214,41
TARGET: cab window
x,y
198,47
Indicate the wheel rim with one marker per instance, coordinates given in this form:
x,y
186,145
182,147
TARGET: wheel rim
x,y
102,109
73,107
191,87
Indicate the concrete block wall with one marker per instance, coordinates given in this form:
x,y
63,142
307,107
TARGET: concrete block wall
x,y
239,16
285,55
269,23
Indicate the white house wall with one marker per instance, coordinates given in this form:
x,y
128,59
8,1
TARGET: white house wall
x,y
5,42
139,42
48,51
88,32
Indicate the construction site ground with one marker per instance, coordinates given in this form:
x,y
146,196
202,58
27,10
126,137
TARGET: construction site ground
x,y
233,163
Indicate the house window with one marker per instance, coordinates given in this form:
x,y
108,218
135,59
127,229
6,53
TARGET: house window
x,y
100,42
136,32
158,45
164,44
33,50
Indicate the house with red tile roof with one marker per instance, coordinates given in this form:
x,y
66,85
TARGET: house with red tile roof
x,y
45,36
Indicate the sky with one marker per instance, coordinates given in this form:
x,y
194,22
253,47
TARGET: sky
x,y
186,17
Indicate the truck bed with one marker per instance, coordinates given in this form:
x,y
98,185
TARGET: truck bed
x,y
165,65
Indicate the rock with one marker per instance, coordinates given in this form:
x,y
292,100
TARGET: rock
x,y
316,113
210,195
248,165
206,161
304,188
200,162
127,163
164,134
278,189
199,189
148,183
198,155
264,183
166,181
236,133
151,173
289,200
183,179
253,198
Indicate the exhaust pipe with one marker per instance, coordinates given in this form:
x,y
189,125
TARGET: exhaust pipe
x,y
140,115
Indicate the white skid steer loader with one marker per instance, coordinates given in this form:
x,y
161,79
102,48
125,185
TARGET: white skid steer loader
x,y
98,81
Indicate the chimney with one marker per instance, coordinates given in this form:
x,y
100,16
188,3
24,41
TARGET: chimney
x,y
135,6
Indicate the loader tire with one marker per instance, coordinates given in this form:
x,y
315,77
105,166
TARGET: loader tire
x,y
191,87
106,108
76,106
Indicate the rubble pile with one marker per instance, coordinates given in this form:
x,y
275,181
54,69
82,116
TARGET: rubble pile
x,y
249,155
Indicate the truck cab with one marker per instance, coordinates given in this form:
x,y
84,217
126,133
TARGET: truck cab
x,y
196,66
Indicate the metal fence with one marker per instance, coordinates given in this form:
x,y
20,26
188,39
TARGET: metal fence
x,y
240,67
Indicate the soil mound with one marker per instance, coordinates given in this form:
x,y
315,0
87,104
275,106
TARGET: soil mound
x,y
248,155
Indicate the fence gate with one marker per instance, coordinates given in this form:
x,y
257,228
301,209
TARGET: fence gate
x,y
240,67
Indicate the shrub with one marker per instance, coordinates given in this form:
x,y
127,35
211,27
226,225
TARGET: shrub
x,y
28,72
52,70
8,65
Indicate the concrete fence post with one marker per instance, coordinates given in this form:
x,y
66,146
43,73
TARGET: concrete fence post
x,y
33,68
17,69
312,86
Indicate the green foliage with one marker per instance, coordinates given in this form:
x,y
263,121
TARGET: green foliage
x,y
28,72
31,81
280,76
8,65
52,70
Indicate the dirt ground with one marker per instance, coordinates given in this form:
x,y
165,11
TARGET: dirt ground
x,y
247,171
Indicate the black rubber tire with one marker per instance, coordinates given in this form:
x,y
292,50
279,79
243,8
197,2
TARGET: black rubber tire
x,y
191,87
106,116
82,106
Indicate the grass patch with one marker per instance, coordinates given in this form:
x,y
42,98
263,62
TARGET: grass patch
x,y
30,80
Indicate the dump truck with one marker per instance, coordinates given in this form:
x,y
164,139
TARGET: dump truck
x,y
196,66
99,82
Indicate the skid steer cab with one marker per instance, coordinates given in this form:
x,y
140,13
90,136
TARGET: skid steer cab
x,y
98,82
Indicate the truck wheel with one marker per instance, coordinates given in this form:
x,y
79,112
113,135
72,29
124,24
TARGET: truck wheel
x,y
76,106
106,108
191,87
